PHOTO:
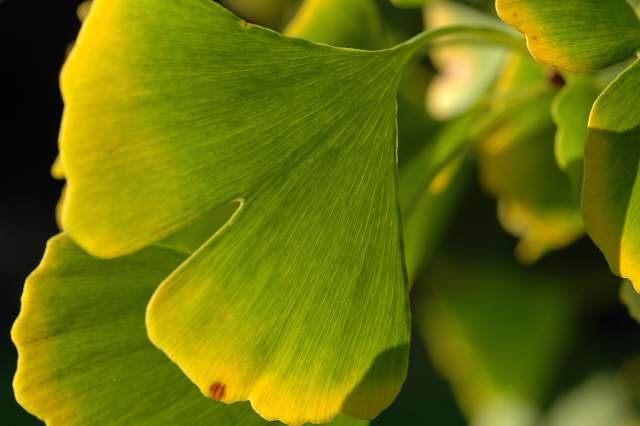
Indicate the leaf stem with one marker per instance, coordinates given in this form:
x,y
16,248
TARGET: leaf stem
x,y
462,34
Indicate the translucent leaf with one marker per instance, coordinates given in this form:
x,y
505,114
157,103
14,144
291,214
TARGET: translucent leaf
x,y
579,36
84,356
300,303
610,200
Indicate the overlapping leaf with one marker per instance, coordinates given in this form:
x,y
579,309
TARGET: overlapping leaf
x,y
575,35
300,304
610,195
84,354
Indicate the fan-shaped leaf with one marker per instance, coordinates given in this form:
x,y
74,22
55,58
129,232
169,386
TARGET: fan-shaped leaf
x,y
300,303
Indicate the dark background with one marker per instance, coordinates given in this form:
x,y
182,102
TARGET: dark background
x,y
34,37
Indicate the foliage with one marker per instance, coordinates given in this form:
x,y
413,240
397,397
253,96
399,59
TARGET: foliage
x,y
246,211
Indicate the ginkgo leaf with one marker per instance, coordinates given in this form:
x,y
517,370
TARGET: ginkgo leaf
x,y
466,72
84,356
631,299
300,303
499,356
570,111
610,201
575,35
431,181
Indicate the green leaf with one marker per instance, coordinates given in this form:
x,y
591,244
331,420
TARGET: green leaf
x,y
466,71
304,135
495,331
610,200
578,36
631,299
84,356
340,23
570,111
518,166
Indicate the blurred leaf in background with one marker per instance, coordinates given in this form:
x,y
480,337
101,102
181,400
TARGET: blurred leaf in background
x,y
497,332
518,165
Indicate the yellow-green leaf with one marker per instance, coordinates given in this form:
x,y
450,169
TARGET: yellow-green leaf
x,y
579,36
84,356
198,108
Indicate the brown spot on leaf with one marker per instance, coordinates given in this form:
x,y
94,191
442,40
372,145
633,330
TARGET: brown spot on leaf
x,y
217,391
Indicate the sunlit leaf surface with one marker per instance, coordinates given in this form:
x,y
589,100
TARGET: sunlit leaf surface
x,y
300,304
575,35
84,354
